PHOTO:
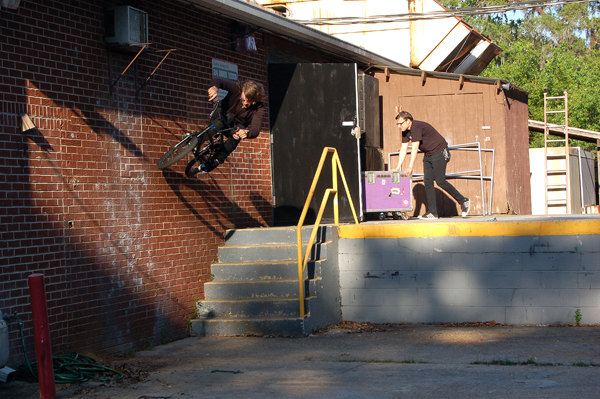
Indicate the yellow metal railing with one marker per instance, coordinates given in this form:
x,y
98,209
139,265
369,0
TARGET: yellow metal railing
x,y
303,260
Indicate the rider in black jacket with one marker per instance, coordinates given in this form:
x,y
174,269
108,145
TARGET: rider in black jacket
x,y
244,108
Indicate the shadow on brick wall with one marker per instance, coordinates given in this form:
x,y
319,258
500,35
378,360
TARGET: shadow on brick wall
x,y
215,208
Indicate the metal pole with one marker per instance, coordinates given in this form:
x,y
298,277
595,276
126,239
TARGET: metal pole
x,y
481,179
132,61
492,179
41,332
334,170
546,151
567,153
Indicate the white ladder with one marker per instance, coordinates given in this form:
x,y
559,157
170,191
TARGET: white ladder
x,y
557,165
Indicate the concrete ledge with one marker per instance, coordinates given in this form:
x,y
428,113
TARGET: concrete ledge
x,y
476,227
517,271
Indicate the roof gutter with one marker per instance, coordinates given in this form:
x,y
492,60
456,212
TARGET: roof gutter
x,y
501,83
269,21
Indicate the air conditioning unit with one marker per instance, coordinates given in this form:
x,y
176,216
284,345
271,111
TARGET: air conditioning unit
x,y
125,26
14,4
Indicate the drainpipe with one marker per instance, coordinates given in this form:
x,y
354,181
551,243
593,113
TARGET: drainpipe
x,y
416,32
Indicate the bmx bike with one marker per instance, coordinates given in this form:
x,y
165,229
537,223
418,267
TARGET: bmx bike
x,y
206,146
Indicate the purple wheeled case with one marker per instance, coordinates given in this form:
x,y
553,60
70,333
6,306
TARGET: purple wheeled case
x,y
386,192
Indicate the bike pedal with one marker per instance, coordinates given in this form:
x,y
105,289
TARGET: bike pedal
x,y
170,144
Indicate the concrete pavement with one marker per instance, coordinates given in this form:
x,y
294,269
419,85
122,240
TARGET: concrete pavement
x,y
361,361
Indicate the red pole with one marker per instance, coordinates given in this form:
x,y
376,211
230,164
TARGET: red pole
x,y
41,331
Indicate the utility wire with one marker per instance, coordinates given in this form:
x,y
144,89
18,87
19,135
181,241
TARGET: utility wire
x,y
458,12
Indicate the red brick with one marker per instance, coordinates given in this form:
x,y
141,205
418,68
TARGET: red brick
x,y
93,163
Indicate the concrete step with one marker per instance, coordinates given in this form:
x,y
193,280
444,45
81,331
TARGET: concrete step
x,y
252,290
266,326
263,271
274,235
267,252
244,308
255,284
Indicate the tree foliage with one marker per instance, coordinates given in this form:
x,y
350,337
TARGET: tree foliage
x,y
553,48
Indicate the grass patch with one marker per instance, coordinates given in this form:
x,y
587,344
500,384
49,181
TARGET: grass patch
x,y
407,361
507,362
412,361
584,364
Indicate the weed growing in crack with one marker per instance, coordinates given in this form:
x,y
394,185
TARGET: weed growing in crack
x,y
507,362
584,364
407,361
578,317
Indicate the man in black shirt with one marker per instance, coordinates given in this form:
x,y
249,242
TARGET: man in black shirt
x,y
424,137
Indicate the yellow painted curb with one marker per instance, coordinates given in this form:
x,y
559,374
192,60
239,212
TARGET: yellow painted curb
x,y
471,229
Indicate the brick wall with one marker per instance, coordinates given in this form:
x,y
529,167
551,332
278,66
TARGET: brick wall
x,y
125,247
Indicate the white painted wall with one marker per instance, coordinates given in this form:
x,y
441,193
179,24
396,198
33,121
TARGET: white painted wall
x,y
390,40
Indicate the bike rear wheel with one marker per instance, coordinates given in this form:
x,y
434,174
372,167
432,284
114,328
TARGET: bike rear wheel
x,y
176,153
205,155
190,170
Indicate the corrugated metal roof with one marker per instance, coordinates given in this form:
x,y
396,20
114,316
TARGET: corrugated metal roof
x,y
559,130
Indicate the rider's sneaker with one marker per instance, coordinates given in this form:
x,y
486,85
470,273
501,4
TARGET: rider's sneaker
x,y
192,172
209,166
465,207
428,216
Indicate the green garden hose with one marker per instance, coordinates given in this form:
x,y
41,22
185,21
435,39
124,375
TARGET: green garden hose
x,y
68,369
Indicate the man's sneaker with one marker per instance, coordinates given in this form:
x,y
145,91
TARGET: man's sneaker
x,y
428,216
465,207
209,166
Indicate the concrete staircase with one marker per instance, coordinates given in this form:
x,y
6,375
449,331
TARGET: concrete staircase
x,y
254,291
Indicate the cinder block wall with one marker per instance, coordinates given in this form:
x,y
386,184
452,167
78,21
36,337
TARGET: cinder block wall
x,y
523,279
125,247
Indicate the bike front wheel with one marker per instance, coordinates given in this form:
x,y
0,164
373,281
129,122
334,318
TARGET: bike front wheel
x,y
176,153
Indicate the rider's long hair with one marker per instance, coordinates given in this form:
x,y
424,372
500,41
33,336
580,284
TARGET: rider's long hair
x,y
254,91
